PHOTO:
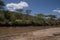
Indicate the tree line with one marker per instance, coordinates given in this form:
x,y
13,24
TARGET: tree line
x,y
23,18
14,18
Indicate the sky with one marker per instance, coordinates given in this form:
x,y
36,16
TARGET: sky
x,y
37,6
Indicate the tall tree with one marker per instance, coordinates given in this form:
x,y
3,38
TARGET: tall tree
x,y
1,4
28,14
40,15
39,19
19,10
52,17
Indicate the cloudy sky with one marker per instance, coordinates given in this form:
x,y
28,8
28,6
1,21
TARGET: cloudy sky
x,y
37,6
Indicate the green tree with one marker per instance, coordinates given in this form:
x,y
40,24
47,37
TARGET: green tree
x,y
19,10
40,15
9,17
39,19
57,21
19,16
51,19
28,14
1,4
2,18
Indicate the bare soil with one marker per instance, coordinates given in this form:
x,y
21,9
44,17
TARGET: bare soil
x,y
30,33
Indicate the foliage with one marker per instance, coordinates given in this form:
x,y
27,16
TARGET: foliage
x,y
2,4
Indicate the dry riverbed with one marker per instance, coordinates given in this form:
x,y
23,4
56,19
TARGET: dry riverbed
x,y
42,34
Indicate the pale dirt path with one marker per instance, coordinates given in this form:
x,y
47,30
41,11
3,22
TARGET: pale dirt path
x,y
35,35
46,32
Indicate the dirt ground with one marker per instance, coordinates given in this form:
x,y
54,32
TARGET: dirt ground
x,y
12,30
28,34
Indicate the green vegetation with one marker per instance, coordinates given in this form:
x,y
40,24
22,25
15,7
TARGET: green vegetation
x,y
14,18
23,18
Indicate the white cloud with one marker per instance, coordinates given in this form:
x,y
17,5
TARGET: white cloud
x,y
14,6
56,10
